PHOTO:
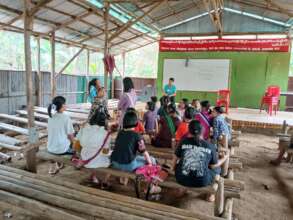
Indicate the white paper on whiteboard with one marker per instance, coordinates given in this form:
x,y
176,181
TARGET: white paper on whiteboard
x,y
199,75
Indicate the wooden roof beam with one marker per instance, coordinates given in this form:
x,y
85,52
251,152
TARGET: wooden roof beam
x,y
149,25
47,37
69,62
131,22
280,8
215,18
70,21
266,7
113,20
39,6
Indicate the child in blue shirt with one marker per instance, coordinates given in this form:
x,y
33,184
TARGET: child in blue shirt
x,y
220,126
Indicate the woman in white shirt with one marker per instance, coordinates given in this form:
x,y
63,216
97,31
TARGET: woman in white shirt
x,y
91,138
60,131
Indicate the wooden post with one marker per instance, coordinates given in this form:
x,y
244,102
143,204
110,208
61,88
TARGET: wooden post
x,y
53,79
39,74
220,199
225,166
106,18
33,136
87,75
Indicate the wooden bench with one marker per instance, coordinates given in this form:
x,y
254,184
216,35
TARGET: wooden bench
x,y
19,130
45,116
22,120
102,200
223,189
73,115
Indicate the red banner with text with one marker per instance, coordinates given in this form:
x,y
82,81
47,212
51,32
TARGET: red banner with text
x,y
249,45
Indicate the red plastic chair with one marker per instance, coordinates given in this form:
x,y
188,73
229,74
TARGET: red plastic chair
x,y
271,99
224,99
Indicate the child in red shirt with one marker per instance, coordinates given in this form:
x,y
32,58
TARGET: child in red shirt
x,y
139,127
182,130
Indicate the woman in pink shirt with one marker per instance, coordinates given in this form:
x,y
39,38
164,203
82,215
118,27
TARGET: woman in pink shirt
x,y
205,119
128,99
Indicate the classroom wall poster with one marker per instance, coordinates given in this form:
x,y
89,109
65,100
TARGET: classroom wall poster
x,y
248,45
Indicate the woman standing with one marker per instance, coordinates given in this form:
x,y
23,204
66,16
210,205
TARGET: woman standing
x,y
93,87
128,99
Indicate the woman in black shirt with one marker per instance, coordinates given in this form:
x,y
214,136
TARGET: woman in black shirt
x,y
195,161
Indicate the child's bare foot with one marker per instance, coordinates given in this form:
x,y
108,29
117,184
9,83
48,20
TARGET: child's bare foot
x,y
211,198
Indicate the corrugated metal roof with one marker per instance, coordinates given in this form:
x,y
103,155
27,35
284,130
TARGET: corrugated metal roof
x,y
81,23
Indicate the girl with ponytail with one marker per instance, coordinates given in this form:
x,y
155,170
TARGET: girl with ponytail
x,y
60,127
195,161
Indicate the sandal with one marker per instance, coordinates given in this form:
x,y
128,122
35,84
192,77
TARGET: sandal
x,y
54,169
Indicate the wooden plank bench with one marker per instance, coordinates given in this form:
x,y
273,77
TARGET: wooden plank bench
x,y
100,198
10,140
19,130
44,116
22,120
73,115
224,189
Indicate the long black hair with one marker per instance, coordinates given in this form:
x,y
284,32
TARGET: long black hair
x,y
151,106
56,104
195,129
127,84
130,119
99,118
189,113
93,82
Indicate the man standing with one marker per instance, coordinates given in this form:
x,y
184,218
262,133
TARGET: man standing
x,y
170,90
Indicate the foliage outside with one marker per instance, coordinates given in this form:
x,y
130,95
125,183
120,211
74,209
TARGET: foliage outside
x,y
138,63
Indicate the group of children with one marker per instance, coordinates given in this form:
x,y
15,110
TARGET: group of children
x,y
192,130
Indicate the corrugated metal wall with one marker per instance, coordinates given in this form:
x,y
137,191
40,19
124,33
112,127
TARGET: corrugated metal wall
x,y
13,93
72,87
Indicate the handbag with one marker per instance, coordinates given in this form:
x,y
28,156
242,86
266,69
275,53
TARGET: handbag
x,y
79,163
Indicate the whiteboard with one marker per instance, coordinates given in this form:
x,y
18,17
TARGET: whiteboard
x,y
198,74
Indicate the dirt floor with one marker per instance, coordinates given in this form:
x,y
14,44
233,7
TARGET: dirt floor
x,y
266,197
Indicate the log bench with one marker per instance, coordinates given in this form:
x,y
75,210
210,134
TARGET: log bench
x,y
223,189
45,195
19,130
73,115
22,120
45,116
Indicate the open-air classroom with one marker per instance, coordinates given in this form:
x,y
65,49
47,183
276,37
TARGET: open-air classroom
x,y
146,109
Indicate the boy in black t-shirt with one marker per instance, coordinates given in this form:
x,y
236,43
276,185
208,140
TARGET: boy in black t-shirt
x,y
195,161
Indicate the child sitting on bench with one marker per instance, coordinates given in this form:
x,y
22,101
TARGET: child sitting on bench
x,y
92,138
204,117
220,126
182,130
128,144
195,161
150,119
168,125
182,106
60,131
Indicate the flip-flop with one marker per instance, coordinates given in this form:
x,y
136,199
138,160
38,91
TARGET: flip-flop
x,y
53,170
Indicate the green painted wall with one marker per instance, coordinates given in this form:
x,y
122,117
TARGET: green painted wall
x,y
250,74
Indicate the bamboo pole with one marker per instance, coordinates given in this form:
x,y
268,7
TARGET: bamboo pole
x,y
87,198
53,78
31,164
64,203
104,194
219,203
69,62
106,21
43,211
